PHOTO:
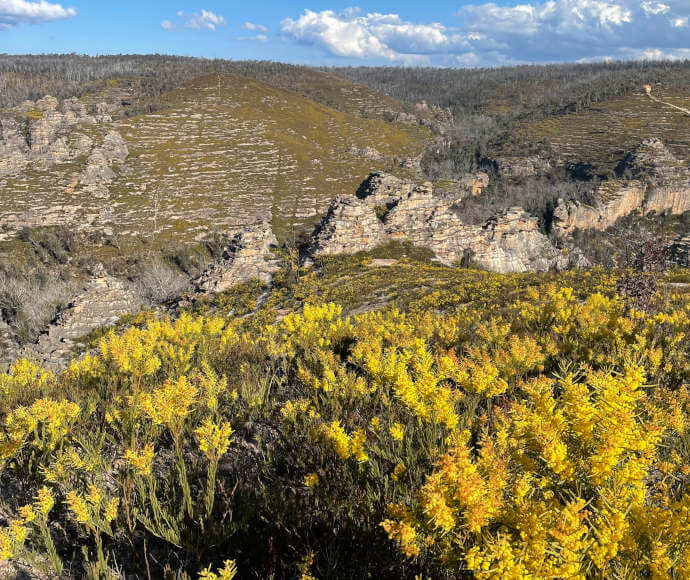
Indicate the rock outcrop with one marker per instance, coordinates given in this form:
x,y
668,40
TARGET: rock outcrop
x,y
386,209
101,302
680,252
99,166
37,133
521,167
650,180
248,255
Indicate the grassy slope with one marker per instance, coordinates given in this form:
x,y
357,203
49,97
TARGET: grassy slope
x,y
602,133
223,152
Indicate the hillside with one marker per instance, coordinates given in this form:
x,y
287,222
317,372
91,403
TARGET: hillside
x,y
222,151
259,321
600,134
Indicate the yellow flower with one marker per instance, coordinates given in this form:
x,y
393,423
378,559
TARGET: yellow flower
x,y
398,472
228,572
27,514
141,459
111,509
340,440
214,439
397,431
311,480
79,507
44,500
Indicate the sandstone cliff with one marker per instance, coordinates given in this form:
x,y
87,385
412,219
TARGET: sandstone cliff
x,y
247,255
386,209
650,180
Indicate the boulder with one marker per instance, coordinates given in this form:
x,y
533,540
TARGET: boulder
x,y
248,255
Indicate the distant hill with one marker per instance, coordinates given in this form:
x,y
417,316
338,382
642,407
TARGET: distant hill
x,y
219,152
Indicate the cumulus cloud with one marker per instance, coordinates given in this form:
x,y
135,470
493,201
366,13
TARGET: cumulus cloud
x,y
206,20
489,33
251,26
371,36
16,12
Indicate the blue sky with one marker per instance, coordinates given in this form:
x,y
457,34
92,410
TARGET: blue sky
x,y
436,32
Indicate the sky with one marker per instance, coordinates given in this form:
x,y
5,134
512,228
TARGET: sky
x,y
403,32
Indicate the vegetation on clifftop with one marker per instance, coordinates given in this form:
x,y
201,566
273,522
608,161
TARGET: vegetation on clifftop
x,y
469,424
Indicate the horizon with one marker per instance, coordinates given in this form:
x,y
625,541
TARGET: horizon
x,y
457,34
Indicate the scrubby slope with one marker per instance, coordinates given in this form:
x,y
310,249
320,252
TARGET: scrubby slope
x,y
222,151
478,424
603,132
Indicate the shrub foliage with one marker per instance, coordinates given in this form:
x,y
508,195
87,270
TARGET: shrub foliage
x,y
531,429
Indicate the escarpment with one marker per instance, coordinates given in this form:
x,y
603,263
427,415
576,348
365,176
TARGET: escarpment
x,y
386,209
650,180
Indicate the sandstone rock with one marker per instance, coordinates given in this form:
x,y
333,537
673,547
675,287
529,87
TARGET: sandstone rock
x,y
368,153
520,167
680,252
101,302
47,140
13,147
652,180
75,106
114,147
509,242
469,185
42,132
46,104
81,144
247,256
349,226
98,172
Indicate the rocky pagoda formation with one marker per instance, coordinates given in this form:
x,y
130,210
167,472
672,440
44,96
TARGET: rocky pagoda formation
x,y
40,133
651,179
99,165
386,209
100,302
248,254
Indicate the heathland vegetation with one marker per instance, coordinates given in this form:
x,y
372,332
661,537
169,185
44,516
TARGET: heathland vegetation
x,y
386,420
376,415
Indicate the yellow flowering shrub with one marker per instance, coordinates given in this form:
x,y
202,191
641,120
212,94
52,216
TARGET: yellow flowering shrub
x,y
466,425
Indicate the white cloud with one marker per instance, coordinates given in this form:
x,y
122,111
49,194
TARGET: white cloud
x,y
255,38
207,20
16,12
374,35
655,7
489,33
204,20
252,26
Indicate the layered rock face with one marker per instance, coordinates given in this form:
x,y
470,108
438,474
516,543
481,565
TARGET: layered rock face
x,y
248,255
387,209
101,302
98,172
653,180
39,133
